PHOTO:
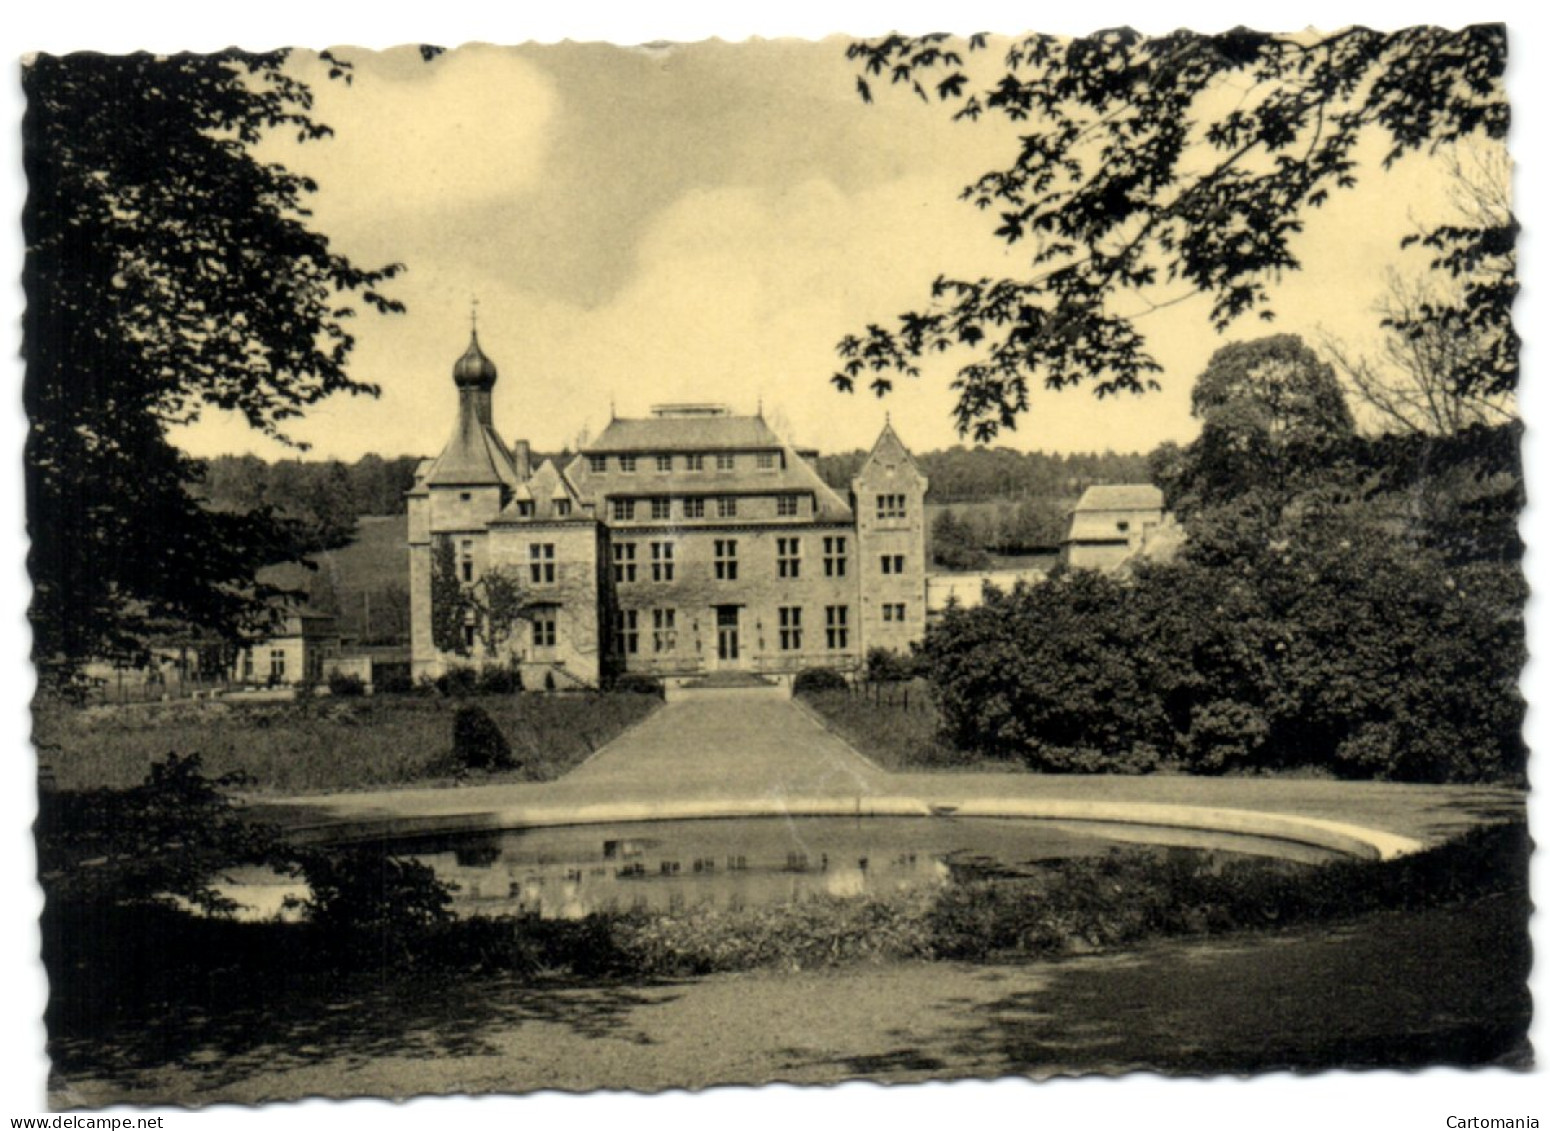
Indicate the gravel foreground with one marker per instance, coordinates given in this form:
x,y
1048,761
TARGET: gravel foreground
x,y
1408,989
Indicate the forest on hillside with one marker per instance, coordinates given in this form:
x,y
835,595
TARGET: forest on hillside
x,y
331,495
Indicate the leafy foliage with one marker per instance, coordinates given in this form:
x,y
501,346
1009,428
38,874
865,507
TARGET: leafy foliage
x,y
811,680
164,840
1143,180
477,742
450,605
166,270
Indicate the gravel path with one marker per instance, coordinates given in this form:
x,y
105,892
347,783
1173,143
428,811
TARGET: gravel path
x,y
1444,986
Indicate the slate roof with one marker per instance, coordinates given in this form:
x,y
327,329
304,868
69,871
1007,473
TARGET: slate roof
x,y
547,486
1121,497
704,434
474,457
888,448
697,433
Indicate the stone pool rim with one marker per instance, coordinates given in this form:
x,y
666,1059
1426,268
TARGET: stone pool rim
x,y
1358,841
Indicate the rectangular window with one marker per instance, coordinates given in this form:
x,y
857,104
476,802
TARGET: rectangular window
x,y
561,507
627,464
695,461
790,629
661,561
788,557
466,560
893,563
544,619
624,562
726,559
893,613
836,623
726,507
247,664
624,510
664,463
597,463
834,557
540,563
277,664
661,508
664,630
725,461
525,508
766,461
694,508
627,629
890,506
786,506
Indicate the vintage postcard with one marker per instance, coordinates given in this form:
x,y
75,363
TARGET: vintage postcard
x,y
903,558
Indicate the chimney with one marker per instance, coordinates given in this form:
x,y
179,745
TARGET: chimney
x,y
522,454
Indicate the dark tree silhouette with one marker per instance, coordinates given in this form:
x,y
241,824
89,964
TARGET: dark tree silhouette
x,y
167,269
1153,169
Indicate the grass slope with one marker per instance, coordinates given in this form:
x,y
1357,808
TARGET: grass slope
x,y
327,744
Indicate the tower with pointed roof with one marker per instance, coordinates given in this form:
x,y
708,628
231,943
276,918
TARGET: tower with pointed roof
x,y
889,498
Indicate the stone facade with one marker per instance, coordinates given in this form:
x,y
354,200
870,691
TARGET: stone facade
x,y
1111,525
688,542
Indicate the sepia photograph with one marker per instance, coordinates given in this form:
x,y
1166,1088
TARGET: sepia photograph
x,y
650,565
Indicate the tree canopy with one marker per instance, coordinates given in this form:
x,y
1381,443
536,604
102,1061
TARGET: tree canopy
x,y
167,270
1157,168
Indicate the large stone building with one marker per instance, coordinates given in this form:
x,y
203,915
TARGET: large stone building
x,y
690,541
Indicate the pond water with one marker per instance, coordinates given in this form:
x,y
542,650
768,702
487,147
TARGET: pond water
x,y
571,871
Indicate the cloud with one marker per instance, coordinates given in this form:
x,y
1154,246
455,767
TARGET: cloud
x,y
416,138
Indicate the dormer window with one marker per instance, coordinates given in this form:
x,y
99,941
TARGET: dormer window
x,y
766,461
725,461
695,462
664,463
627,465
562,507
525,508
597,464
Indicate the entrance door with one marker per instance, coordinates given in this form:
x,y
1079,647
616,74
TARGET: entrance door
x,y
727,650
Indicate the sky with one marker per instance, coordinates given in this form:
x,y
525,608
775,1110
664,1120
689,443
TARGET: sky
x,y
704,222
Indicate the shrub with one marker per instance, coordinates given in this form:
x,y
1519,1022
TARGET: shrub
x,y
457,683
393,679
884,665
811,680
371,908
161,841
477,743
495,680
345,685
634,683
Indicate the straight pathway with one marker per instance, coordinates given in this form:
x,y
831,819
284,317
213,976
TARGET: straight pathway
x,y
729,744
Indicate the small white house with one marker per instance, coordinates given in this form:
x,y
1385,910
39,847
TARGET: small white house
x,y
1112,524
296,652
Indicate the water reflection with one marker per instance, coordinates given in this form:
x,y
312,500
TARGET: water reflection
x,y
675,866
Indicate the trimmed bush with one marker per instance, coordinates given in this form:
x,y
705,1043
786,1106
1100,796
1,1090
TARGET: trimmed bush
x,y
499,680
457,683
634,683
393,679
811,680
344,685
477,743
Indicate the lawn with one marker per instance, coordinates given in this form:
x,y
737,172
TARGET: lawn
x,y
897,726
325,744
